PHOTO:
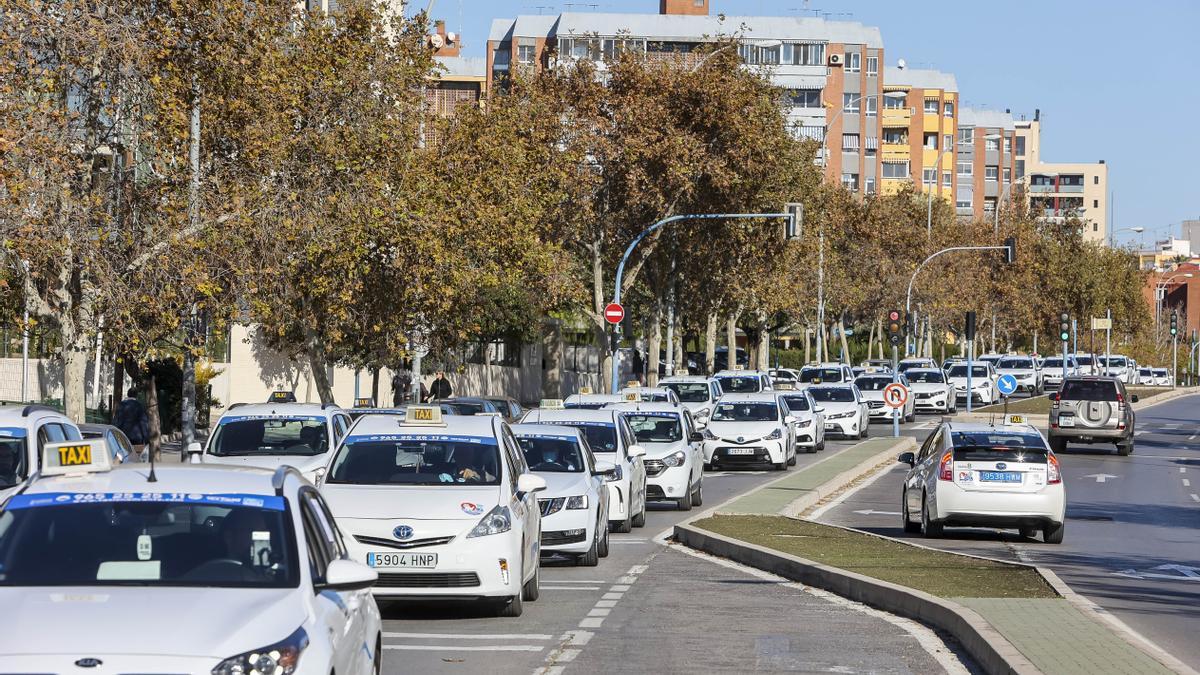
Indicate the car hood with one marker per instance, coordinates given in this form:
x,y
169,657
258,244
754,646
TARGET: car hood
x,y
835,407
660,450
435,502
563,484
962,381
928,386
747,430
873,395
95,621
305,463
1021,372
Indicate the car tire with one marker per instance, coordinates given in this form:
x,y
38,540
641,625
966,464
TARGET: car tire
x,y
622,526
780,466
708,466
929,529
866,432
640,519
792,460
1028,532
1052,533
533,588
512,608
1124,449
684,503
1058,445
602,549
592,557
821,445
909,526
377,664
698,496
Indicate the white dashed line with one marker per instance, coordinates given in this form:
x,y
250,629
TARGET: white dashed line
x,y
578,581
606,603
569,588
591,623
1183,469
1195,497
462,648
1187,483
464,636
620,587
612,596
595,611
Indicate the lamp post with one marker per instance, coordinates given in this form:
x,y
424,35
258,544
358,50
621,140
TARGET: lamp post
x,y
1135,230
1158,302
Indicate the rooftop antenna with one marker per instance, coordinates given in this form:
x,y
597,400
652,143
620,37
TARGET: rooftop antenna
x,y
152,478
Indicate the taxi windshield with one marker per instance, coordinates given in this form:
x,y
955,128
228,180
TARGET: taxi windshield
x,y
1015,363
961,371
106,539
468,407
553,454
417,460
796,403
655,428
253,436
654,396
832,395
741,385
821,374
690,392
601,436
745,412
12,459
925,376
873,383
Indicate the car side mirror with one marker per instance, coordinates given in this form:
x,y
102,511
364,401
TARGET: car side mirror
x,y
635,451
194,451
819,409
1134,398
907,458
347,575
528,482
790,419
696,437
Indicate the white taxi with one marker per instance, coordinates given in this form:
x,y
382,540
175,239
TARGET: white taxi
x,y
743,381
269,435
443,507
574,505
650,394
846,411
588,401
24,432
697,393
674,451
979,475
750,429
609,436
872,387
931,393
809,425
251,557
982,381
825,373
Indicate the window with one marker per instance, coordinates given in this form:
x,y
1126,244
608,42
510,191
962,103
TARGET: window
x,y
1020,146
895,136
960,204
947,178
966,136
928,176
1007,175
870,185
756,55
872,65
850,142
947,141
1095,227
853,62
1020,167
872,106
991,173
895,169
1095,203
890,103
931,141
991,144
1007,144
1095,180
964,169
804,54
989,204
850,103
850,181
948,109
803,98
931,105
526,53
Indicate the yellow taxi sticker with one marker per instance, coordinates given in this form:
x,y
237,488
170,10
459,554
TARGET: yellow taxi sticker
x,y
423,414
585,390
633,396
1016,419
75,455
364,402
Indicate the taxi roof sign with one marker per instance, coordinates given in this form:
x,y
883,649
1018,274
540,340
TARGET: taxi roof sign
x,y
364,403
75,457
633,396
551,404
633,383
423,415
585,390
282,397
1015,420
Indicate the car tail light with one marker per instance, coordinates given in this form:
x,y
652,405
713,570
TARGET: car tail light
x,y
1056,397
945,471
1120,398
1054,476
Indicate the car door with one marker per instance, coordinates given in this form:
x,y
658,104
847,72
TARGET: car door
x,y
637,469
696,461
914,482
335,615
526,513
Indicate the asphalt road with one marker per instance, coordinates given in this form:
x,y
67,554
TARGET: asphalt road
x,y
1133,526
653,608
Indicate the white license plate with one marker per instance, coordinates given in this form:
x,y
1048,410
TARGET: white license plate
x,y
831,427
409,560
740,451
1066,421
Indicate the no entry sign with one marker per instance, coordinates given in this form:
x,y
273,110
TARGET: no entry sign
x,y
895,395
613,313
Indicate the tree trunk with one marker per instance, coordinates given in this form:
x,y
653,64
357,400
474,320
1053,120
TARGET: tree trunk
x,y
845,345
677,350
710,345
187,401
654,344
154,442
118,385
764,343
871,341
75,347
731,342
319,367
807,345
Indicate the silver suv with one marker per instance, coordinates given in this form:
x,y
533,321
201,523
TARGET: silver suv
x,y
1092,409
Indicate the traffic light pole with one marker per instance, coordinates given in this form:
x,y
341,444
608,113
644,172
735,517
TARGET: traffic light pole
x,y
1174,360
896,412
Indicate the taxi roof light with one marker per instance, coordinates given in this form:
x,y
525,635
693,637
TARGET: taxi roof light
x,y
423,415
551,404
75,458
585,390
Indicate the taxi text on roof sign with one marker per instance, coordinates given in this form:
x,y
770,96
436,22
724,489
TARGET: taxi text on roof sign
x,y
551,404
585,390
633,396
1016,419
422,414
364,403
74,457
283,397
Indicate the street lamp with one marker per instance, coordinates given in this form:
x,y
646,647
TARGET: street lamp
x,y
1161,285
1135,230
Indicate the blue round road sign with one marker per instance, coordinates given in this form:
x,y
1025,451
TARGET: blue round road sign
x,y
1007,384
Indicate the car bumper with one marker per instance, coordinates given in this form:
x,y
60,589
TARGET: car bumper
x,y
938,403
719,452
981,396
465,569
670,483
847,426
1087,435
569,531
955,505
884,413
807,437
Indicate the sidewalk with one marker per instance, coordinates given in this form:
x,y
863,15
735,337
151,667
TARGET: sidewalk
x,y
1052,635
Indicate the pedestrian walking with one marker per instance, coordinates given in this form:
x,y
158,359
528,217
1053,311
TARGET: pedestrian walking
x,y
440,388
401,385
131,418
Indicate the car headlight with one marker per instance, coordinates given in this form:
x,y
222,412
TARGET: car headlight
x,y
774,435
496,521
616,475
983,385
676,458
708,435
842,415
703,412
277,659
804,424
552,505
577,502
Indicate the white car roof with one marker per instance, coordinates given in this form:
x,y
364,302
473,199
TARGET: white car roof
x,y
470,425
648,406
988,428
647,390
739,373
682,379
550,415
828,364
531,429
757,397
281,410
923,370
16,415
832,385
187,478
593,398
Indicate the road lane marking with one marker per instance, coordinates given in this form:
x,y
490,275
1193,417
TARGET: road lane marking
x,y
569,588
463,648
873,512
1183,469
591,623
620,587
578,581
606,603
599,611
1193,437
627,580
469,636
628,541
1186,482
612,596
1195,497
636,570
567,655
1101,477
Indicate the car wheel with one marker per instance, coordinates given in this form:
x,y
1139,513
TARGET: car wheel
x,y
792,459
592,557
532,588
640,519
622,525
866,431
602,549
698,497
512,608
1058,445
910,527
1028,532
1052,533
377,664
708,466
929,528
684,503
1123,449
821,445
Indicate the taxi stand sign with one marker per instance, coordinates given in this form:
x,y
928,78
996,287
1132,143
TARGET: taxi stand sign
x,y
75,458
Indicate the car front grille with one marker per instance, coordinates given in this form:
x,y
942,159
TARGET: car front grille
x,y
654,467
402,545
559,537
875,404
428,580
925,395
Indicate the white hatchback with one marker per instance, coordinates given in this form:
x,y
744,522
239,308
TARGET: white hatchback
x,y
846,411
982,381
750,429
24,432
971,474
441,506
253,558
697,393
269,435
674,451
809,416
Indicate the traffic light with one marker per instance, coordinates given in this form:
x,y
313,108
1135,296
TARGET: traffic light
x,y
1174,324
895,328
1064,326
795,220
970,332
1010,252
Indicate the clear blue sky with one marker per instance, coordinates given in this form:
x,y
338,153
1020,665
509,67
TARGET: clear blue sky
x,y
1118,81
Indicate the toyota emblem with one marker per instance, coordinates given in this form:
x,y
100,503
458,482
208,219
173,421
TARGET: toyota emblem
x,y
402,532
741,439
89,662
1000,466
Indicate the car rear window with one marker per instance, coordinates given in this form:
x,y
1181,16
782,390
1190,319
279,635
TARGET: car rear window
x,y
1089,390
998,446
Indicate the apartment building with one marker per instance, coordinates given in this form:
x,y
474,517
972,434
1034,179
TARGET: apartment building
x,y
920,125
1058,190
985,168
831,71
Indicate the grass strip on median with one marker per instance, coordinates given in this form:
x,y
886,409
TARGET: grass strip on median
x,y
1040,405
941,574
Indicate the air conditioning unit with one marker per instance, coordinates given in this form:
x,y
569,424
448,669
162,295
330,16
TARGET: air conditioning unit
x,y
835,59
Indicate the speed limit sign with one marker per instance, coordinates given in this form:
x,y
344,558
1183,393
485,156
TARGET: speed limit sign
x,y
895,395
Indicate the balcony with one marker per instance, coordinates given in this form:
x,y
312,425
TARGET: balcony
x,y
897,117
894,152
1077,189
1042,188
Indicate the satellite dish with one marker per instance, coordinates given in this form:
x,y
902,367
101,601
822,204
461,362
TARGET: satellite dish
x,y
436,41
901,64
452,37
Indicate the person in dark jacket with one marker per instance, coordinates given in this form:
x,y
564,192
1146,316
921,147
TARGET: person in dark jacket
x,y
440,388
131,418
401,385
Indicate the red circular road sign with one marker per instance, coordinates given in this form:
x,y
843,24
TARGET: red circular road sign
x,y
614,312
895,395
